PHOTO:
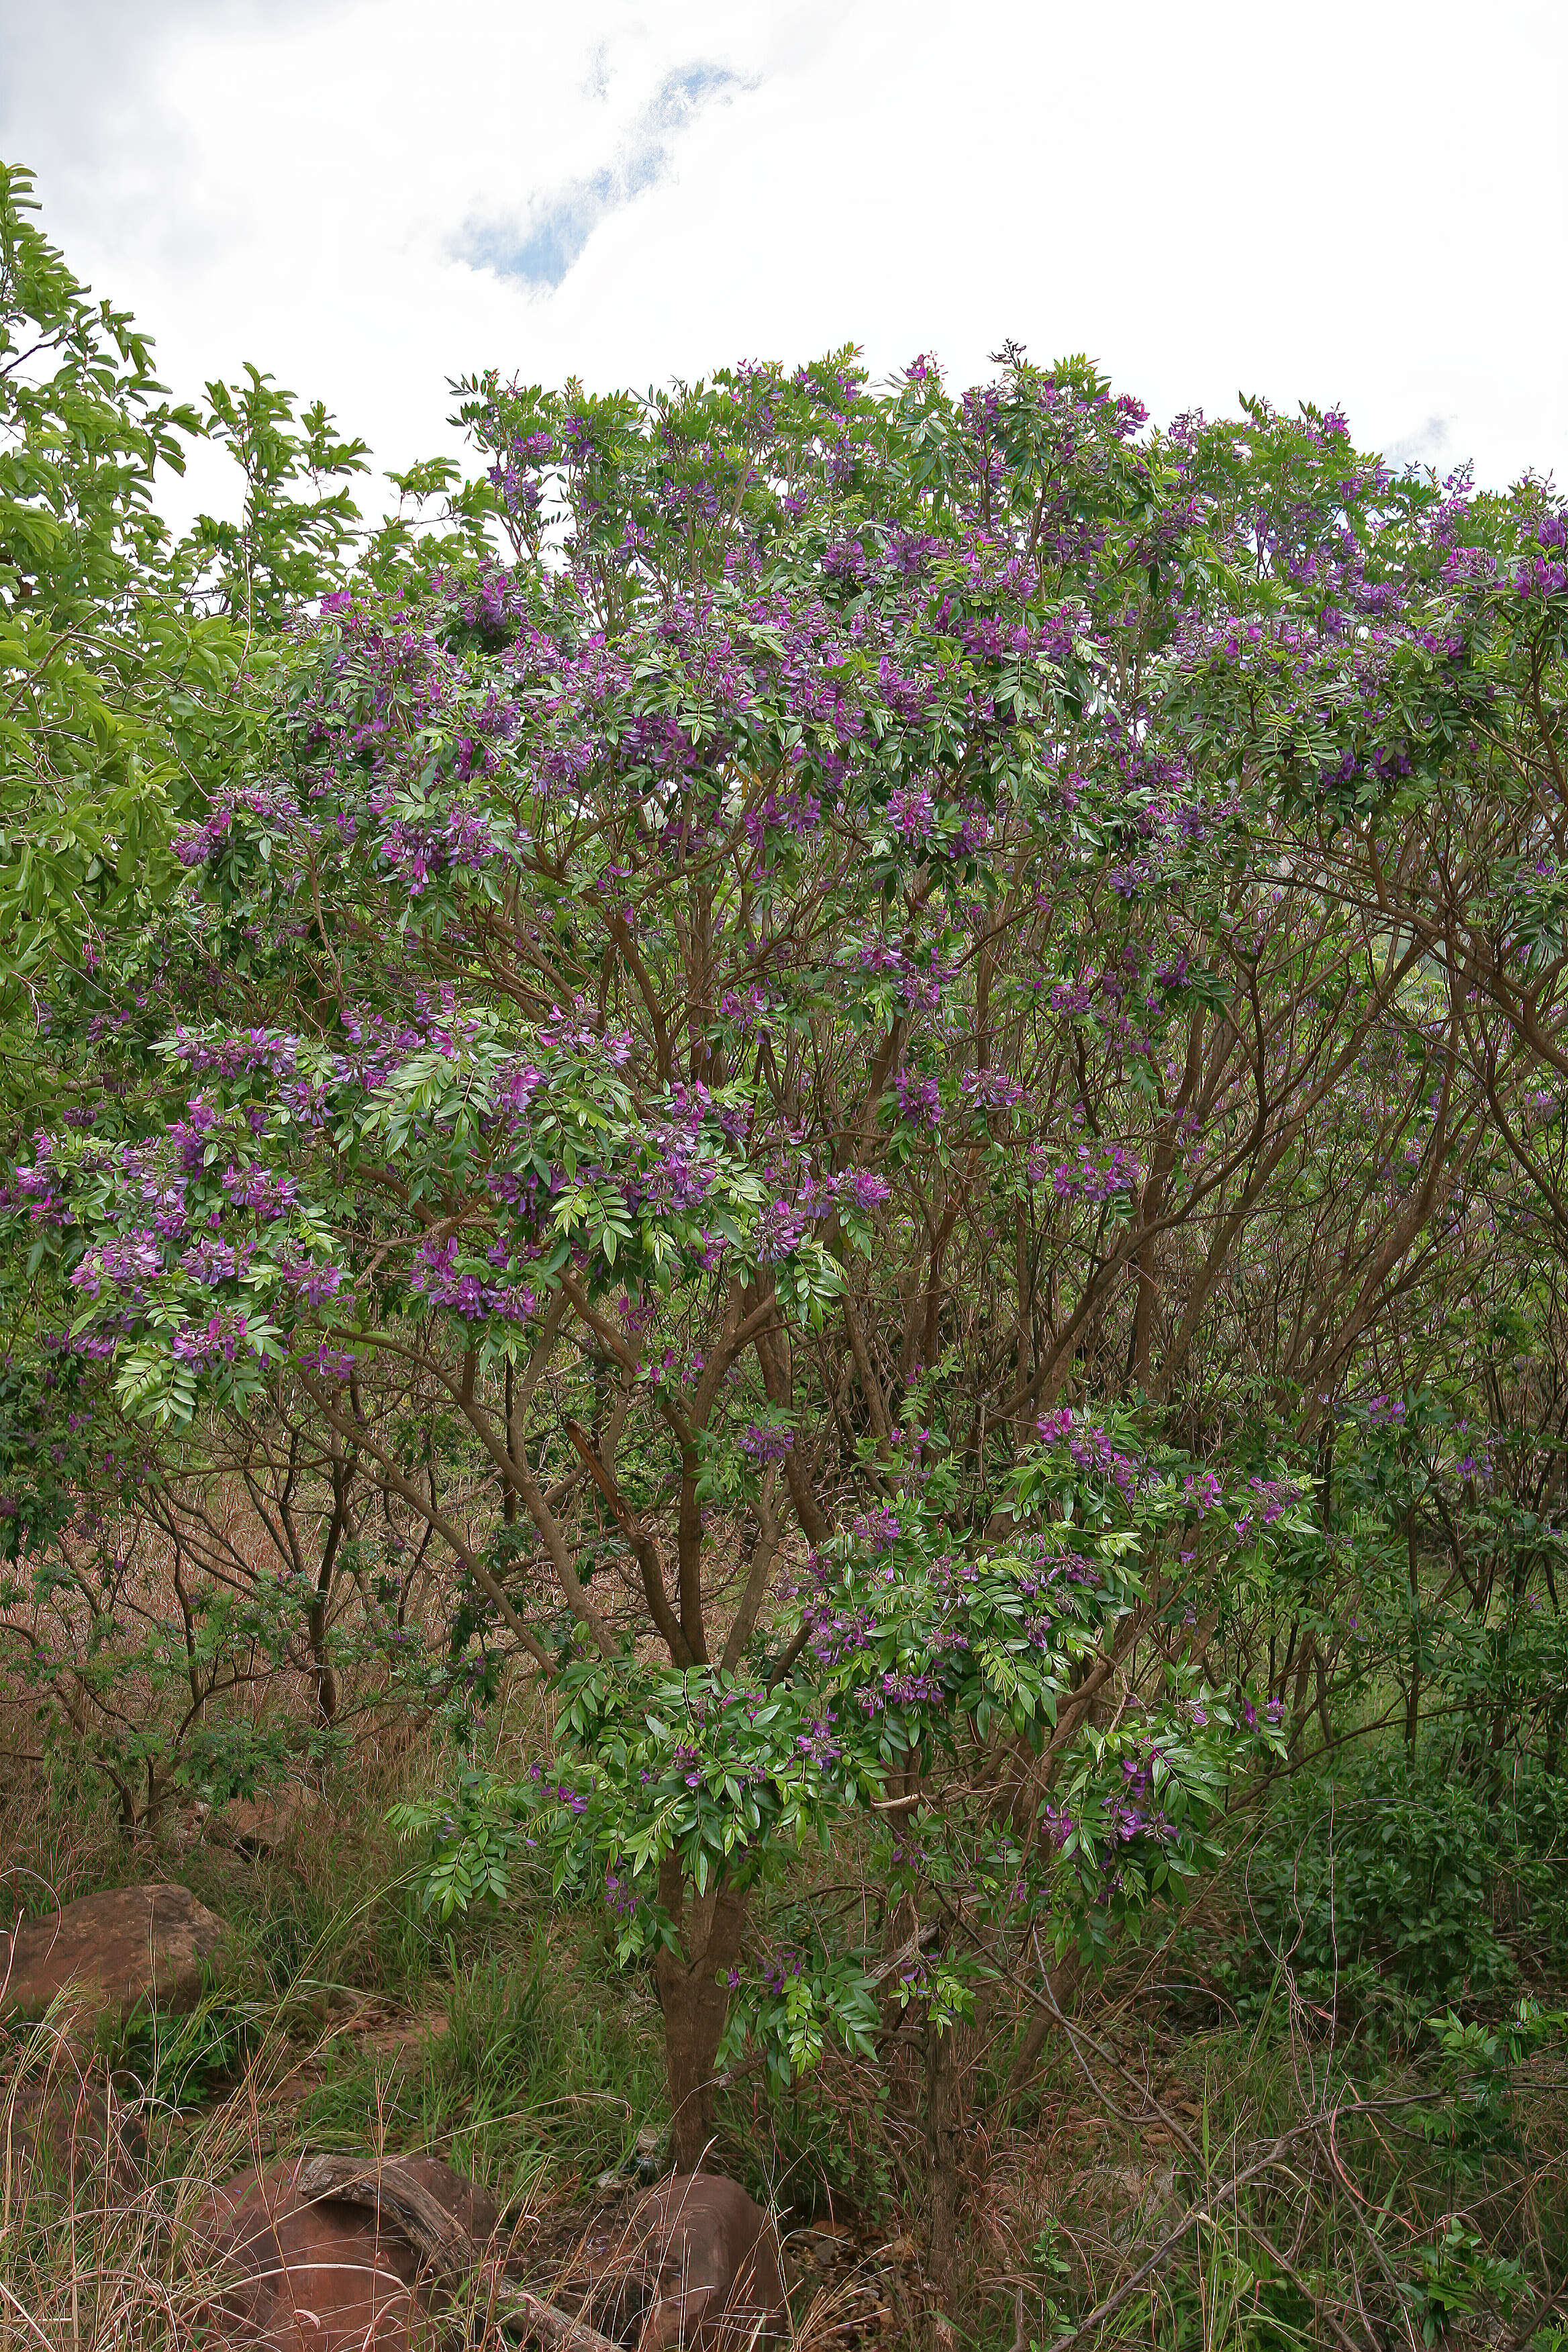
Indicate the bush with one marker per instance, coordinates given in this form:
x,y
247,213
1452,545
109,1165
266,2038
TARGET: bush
x,y
1386,1881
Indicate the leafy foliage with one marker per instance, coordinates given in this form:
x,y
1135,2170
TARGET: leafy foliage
x,y
857,1092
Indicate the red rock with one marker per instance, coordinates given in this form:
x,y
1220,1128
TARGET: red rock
x,y
304,2274
135,1944
711,2265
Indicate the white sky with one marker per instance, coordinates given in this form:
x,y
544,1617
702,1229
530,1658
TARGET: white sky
x,y
1362,201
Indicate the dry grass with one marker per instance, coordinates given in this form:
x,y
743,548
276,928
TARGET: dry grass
x,y
513,2050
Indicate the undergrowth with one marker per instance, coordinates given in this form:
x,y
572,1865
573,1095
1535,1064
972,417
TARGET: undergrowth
x,y
1328,2111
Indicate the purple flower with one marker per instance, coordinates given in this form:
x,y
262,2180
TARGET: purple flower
x,y
130,1262
259,1188
878,1530
919,1099
862,1186
315,1283
765,1441
516,1087
778,1231
221,1340
817,1744
900,1690
439,1278
991,1089
210,1260
912,811
1089,1175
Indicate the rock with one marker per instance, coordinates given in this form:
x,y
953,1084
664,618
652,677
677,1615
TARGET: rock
x,y
135,1944
306,2268
472,2207
338,2254
53,2133
700,2266
259,1825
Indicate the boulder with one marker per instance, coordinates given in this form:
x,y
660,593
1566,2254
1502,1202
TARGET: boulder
x,y
699,2266
135,1944
345,2253
56,2133
337,2255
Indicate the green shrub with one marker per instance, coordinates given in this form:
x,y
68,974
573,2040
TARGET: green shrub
x,y
1386,1883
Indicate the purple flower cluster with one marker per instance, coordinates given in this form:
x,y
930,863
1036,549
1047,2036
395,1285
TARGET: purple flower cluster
x,y
1095,1174
918,1099
1090,1448
438,1279
194,843
912,811
1545,574
234,1053
877,1530
1266,1501
315,1283
817,1744
765,1441
223,1339
779,1231
261,1189
991,1089
861,1186
129,1263
900,1690
37,1188
556,1792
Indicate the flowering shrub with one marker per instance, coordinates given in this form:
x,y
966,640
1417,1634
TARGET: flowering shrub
x,y
921,1656
740,1017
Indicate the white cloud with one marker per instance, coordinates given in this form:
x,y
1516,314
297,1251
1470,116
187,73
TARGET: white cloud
x,y
540,252
1365,206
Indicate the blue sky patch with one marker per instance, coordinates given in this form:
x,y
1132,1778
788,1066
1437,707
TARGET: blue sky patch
x,y
540,251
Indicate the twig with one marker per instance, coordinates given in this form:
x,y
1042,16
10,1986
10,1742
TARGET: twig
x,y
441,2240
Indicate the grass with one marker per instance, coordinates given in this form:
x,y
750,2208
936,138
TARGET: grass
x,y
514,2047
529,2065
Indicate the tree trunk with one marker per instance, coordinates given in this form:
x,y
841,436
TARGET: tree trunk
x,y
694,1994
902,2059
326,1680
1413,1696
941,2134
1062,1983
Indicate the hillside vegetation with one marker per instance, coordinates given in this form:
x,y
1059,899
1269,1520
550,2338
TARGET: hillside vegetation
x,y
783,1198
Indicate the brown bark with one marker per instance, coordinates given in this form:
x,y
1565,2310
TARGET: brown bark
x,y
694,1995
943,2123
1062,1983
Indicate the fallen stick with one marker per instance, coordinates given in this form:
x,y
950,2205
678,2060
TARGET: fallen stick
x,y
518,2308
442,2242
433,2234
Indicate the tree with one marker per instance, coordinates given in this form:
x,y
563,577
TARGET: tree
x,y
111,697
645,958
